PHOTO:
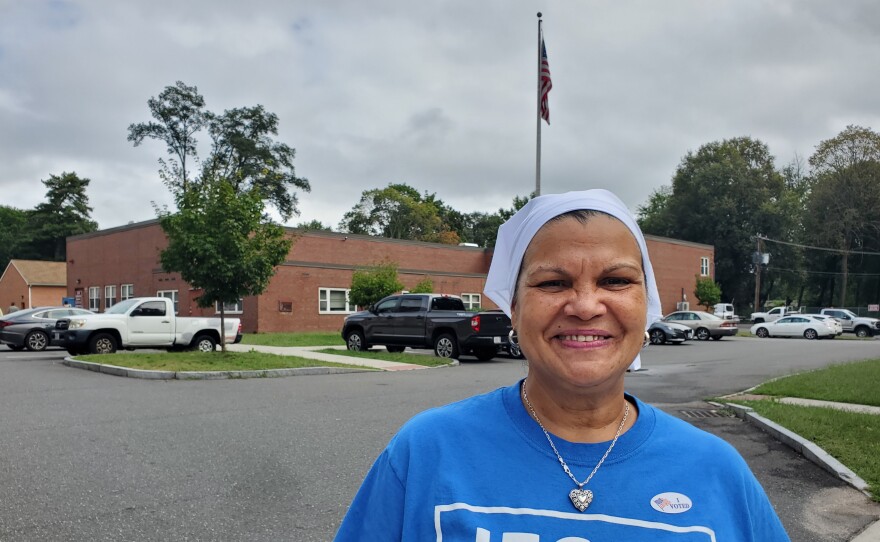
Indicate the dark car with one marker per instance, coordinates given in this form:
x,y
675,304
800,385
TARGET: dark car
x,y
31,328
662,332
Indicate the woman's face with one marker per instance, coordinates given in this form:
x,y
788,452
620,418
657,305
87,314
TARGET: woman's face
x,y
581,302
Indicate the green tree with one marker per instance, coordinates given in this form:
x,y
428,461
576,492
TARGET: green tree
x,y
396,211
371,285
222,242
707,292
243,149
179,113
723,195
313,225
843,205
14,234
245,152
425,286
65,212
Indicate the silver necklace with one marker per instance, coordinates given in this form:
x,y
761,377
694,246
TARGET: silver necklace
x,y
580,497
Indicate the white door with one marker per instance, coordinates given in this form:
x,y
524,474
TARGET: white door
x,y
148,324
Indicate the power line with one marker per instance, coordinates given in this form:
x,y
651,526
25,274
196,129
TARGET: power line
x,y
837,250
823,272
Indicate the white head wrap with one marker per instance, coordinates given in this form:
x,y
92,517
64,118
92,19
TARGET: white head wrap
x,y
515,235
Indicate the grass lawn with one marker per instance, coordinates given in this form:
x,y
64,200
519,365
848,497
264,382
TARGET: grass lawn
x,y
326,338
845,383
208,361
852,438
402,357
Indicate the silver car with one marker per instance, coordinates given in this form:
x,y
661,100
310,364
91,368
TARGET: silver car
x,y
705,325
31,328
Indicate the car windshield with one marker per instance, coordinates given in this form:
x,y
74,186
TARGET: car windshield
x,y
121,307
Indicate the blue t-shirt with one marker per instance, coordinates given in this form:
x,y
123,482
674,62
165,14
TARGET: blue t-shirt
x,y
481,470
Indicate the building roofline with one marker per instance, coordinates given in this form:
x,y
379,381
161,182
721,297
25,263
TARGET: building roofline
x,y
370,238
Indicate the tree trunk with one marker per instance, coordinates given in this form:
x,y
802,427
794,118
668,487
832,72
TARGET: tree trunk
x,y
844,269
222,328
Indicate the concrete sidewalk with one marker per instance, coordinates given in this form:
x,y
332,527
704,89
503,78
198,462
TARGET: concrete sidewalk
x,y
311,353
807,448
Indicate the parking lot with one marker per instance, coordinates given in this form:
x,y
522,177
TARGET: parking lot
x,y
88,456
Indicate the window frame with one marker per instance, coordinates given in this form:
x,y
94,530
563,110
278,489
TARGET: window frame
x,y
126,291
704,266
324,298
94,300
174,297
108,297
468,300
239,307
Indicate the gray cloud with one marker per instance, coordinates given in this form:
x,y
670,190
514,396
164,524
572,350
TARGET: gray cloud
x,y
437,94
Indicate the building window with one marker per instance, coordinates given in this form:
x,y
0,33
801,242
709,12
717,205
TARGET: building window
x,y
230,308
109,296
471,301
170,294
704,266
126,291
94,298
334,301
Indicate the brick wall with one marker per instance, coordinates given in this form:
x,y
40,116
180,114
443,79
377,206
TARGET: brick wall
x,y
130,255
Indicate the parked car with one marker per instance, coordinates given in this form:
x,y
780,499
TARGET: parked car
x,y
725,310
860,325
705,325
426,321
662,332
799,325
32,328
829,321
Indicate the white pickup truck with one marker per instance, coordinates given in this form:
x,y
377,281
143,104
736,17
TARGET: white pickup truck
x,y
142,322
860,325
772,315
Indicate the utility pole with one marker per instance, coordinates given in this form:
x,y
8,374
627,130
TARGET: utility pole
x,y
757,261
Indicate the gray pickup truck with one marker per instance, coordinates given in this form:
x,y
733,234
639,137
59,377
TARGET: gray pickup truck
x,y
429,321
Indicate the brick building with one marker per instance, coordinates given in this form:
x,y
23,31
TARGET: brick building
x,y
309,290
32,283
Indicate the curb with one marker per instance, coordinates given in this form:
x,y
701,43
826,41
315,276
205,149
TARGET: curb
x,y
147,374
205,375
808,449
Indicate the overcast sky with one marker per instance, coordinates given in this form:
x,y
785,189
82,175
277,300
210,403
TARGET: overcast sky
x,y
438,94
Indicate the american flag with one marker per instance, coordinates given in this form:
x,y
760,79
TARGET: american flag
x,y
546,84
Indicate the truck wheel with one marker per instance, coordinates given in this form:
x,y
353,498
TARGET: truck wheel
x,y
204,343
36,341
355,341
702,334
395,349
486,353
102,343
863,332
445,346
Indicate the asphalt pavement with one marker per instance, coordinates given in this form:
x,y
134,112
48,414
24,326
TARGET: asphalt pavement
x,y
89,456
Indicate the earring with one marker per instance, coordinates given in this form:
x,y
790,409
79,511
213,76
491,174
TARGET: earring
x,y
511,337
647,340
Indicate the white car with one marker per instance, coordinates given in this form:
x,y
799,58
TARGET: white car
x,y
830,321
799,325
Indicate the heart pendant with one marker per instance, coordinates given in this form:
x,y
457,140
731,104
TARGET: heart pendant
x,y
581,498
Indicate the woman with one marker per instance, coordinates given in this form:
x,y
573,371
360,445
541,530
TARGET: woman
x,y
565,454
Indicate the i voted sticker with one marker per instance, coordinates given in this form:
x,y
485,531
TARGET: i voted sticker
x,y
671,503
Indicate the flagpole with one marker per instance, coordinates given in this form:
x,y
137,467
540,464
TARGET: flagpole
x,y
538,116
